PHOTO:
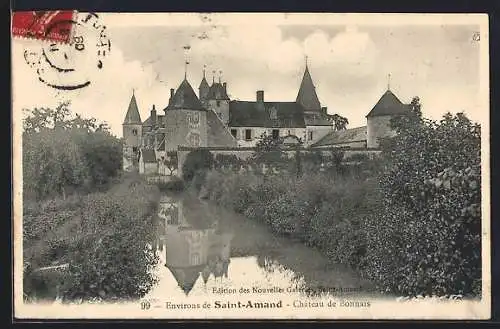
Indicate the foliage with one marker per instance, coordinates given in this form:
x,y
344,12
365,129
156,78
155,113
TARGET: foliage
x,y
175,184
319,209
339,122
195,167
416,230
268,151
428,238
227,161
320,160
62,155
102,236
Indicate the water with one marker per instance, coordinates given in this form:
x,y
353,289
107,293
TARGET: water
x,y
209,252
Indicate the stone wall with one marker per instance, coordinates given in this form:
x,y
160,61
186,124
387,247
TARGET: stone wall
x,y
378,127
244,153
185,128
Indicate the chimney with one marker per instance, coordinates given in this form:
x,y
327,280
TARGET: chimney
x,y
323,110
153,116
260,95
172,93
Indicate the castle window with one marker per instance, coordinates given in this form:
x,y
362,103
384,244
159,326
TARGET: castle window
x,y
218,103
276,133
134,132
248,134
234,132
310,135
134,149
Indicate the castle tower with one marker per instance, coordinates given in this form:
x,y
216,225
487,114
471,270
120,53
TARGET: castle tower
x,y
185,118
218,100
315,116
379,118
132,135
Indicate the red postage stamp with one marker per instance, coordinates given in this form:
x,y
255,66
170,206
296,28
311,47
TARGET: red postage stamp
x,y
52,25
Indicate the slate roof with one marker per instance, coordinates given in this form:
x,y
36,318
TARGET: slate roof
x,y
185,98
217,133
258,114
388,104
217,92
132,116
203,83
159,119
316,119
148,156
307,96
343,137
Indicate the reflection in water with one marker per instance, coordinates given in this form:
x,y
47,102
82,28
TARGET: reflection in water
x,y
206,249
194,244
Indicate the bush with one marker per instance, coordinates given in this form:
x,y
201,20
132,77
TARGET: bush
x,y
427,239
318,209
103,237
68,159
197,163
175,184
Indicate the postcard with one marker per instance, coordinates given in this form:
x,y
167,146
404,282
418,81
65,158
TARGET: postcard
x,y
250,166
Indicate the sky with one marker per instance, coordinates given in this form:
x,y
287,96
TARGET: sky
x,y
349,58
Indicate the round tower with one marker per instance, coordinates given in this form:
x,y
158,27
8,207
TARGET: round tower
x,y
378,121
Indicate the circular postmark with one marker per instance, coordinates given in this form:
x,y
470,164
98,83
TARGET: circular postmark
x,y
71,65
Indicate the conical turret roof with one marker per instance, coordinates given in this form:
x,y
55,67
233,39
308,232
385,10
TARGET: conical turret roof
x,y
132,116
307,96
388,104
204,84
186,277
185,98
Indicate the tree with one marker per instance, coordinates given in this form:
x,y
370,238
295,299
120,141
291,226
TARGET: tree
x,y
39,119
46,118
268,151
339,122
61,152
427,237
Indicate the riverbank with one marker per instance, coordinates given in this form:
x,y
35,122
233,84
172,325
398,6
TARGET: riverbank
x,y
317,210
346,219
91,246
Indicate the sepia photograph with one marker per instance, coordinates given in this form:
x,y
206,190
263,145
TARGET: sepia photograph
x,y
250,166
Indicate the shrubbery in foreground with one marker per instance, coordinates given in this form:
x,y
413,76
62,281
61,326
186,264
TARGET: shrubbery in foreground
x,y
428,239
102,236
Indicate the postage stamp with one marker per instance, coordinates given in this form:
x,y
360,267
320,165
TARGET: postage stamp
x,y
52,26
251,166
74,46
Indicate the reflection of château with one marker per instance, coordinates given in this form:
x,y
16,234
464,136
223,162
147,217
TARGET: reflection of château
x,y
193,244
